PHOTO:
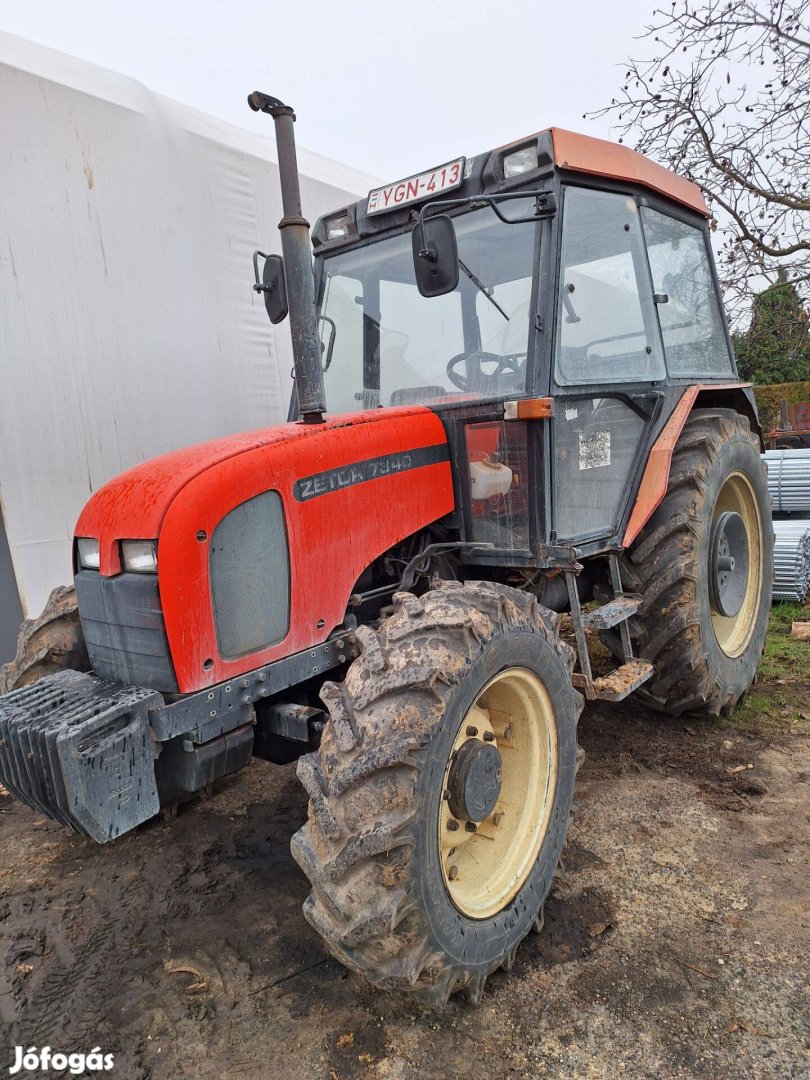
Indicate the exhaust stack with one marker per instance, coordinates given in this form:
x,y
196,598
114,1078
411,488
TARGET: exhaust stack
x,y
295,246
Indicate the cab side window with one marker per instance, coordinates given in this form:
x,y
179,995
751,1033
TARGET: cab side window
x,y
607,331
691,322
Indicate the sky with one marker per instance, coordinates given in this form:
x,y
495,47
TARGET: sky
x,y
388,88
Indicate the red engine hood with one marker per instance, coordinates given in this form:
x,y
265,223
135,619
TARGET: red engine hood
x,y
351,488
134,504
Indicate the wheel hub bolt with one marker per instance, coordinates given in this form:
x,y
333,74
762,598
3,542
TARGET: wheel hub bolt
x,y
452,873
470,826
472,731
497,819
452,825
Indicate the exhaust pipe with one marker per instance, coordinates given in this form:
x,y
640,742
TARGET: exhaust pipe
x,y
295,246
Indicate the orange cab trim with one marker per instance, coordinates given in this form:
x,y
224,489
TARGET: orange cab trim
x,y
582,153
654,482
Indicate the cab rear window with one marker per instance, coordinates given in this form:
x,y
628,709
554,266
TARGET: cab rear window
x,y
691,321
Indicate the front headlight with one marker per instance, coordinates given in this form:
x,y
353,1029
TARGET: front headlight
x,y
139,556
89,558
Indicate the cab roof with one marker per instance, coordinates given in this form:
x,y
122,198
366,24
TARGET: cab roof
x,y
557,150
598,157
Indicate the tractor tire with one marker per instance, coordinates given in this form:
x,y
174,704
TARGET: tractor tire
x,y
50,643
705,655
411,763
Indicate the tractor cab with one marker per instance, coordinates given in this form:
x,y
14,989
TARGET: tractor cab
x,y
548,300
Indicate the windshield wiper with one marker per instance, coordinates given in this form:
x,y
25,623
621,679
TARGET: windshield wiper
x,y
482,288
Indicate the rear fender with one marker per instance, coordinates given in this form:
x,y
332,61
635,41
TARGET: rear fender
x,y
653,486
739,397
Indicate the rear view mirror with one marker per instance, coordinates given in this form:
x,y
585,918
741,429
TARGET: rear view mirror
x,y
435,256
272,284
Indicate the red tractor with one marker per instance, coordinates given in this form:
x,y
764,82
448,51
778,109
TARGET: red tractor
x,y
515,396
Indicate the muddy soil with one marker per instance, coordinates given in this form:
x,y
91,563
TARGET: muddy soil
x,y
676,942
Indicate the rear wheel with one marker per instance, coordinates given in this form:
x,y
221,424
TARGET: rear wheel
x,y
704,567
440,796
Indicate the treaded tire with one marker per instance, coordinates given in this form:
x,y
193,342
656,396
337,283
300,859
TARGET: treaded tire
x,y
668,564
52,642
370,845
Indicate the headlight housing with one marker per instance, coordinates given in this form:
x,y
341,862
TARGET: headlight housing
x,y
337,227
139,556
89,558
520,161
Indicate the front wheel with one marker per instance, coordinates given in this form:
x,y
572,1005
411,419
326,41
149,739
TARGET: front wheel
x,y
441,793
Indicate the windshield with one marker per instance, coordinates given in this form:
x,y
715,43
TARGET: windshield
x,y
385,344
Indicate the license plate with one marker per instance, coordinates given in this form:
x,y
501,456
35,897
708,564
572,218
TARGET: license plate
x,y
423,186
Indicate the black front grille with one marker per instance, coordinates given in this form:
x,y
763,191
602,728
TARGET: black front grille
x,y
123,626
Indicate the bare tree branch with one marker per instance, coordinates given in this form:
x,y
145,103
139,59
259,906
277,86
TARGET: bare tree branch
x,y
724,100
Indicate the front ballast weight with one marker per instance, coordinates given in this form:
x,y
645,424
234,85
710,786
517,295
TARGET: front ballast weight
x,y
85,753
80,750
103,758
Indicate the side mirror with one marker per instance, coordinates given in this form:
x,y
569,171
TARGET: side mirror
x,y
435,255
272,284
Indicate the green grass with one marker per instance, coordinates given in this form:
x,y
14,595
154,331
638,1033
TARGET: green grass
x,y
780,697
783,654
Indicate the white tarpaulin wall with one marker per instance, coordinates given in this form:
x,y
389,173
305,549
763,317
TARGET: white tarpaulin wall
x,y
128,326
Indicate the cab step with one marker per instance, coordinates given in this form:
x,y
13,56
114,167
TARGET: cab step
x,y
619,683
612,613
633,673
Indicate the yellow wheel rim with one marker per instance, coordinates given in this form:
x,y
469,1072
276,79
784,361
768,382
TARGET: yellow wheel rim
x,y
485,864
733,633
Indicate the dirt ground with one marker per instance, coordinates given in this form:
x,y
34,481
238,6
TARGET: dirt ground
x,y
676,941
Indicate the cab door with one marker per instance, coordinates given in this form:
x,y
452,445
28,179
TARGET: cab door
x,y
608,363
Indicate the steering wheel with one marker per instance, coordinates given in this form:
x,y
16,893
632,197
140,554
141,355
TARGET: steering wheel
x,y
486,382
